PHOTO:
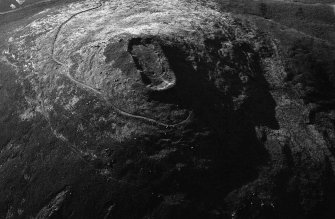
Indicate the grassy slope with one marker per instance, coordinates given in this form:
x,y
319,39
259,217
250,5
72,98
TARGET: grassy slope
x,y
287,37
29,6
307,44
4,4
306,34
317,20
311,1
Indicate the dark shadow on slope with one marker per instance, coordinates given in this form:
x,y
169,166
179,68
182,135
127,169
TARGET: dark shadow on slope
x,y
220,150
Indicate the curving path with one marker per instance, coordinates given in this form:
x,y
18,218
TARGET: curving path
x,y
98,93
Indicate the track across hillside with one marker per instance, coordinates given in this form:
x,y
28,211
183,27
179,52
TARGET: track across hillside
x,y
97,92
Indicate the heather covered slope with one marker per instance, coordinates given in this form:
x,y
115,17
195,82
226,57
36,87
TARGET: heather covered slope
x,y
153,109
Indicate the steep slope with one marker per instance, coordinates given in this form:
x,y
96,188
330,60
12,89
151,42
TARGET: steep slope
x,y
153,109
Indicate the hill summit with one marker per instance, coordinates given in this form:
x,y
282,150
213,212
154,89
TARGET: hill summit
x,y
153,109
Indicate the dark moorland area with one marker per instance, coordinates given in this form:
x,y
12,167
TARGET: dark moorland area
x,y
305,30
167,109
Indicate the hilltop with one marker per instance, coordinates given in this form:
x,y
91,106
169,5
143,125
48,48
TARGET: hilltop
x,y
163,109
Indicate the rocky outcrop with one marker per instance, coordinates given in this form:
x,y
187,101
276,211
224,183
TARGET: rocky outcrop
x,y
154,109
